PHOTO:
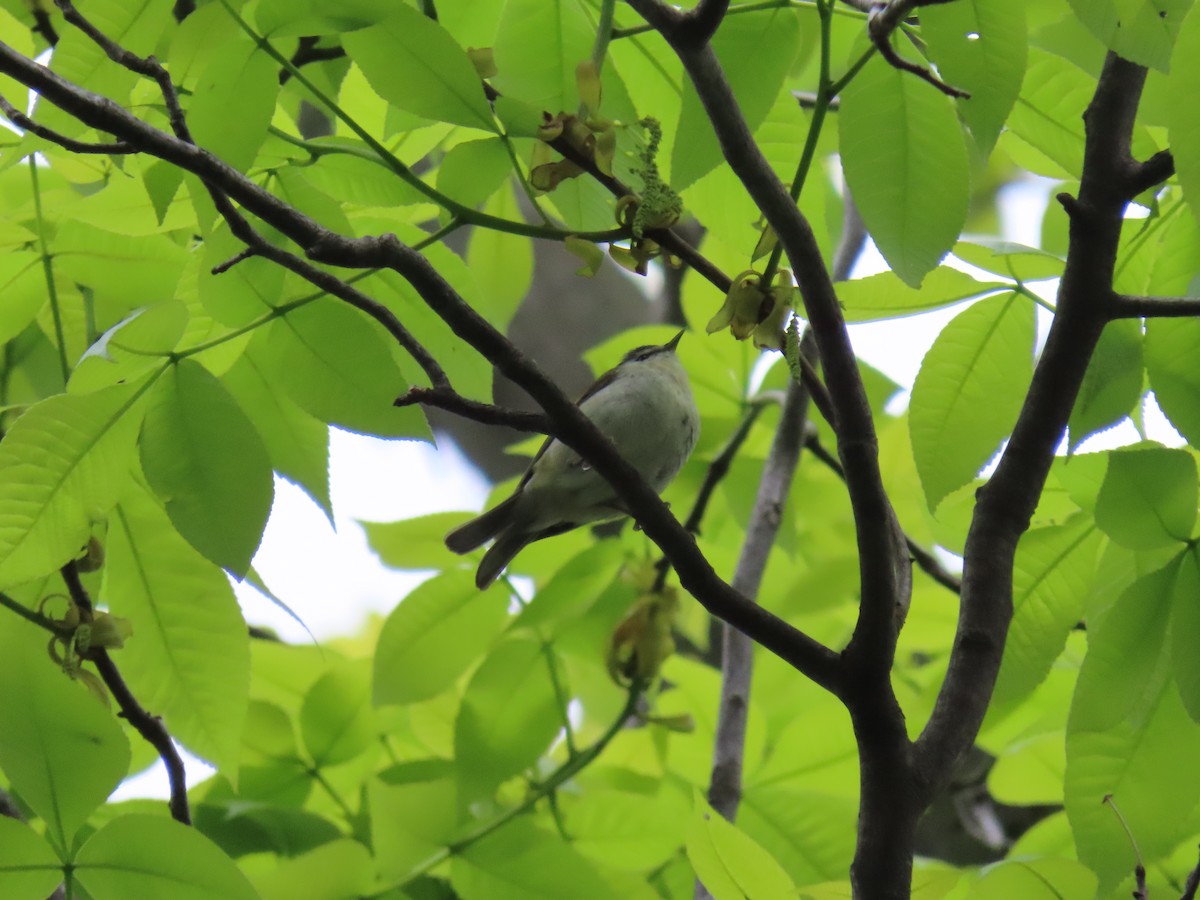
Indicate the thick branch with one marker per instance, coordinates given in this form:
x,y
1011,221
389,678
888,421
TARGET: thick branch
x,y
1007,501
150,727
320,244
880,558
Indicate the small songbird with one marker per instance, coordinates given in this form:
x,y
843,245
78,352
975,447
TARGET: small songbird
x,y
645,407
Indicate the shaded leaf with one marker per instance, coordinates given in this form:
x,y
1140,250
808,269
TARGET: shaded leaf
x,y
1148,498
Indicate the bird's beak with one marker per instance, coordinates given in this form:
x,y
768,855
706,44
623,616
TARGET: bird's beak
x,y
673,342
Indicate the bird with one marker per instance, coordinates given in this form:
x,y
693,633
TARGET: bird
x,y
645,407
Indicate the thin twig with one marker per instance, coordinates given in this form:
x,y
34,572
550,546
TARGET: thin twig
x,y
1192,884
450,401
150,727
881,22
23,121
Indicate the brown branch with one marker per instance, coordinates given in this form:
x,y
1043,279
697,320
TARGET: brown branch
x,y
308,52
150,727
576,430
33,616
23,121
1145,175
42,23
1006,503
1125,306
447,399
1192,884
882,21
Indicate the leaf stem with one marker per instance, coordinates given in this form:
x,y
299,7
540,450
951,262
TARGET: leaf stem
x,y
48,271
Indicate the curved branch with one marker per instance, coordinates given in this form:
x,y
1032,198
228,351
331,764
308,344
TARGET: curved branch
x,y
444,398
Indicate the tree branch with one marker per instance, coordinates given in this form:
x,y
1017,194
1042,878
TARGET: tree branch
x,y
576,430
1192,885
25,123
882,21
150,727
447,399
1126,306
1006,503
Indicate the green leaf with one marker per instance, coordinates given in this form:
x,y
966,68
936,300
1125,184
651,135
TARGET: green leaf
x,y
502,263
1047,114
336,720
238,77
240,295
61,749
967,394
297,18
336,366
1141,31
756,51
1127,733
23,286
412,814
729,863
62,466
205,460
337,870
522,862
810,833
979,46
573,588
1112,384
885,296
1183,130
123,271
1034,879
1052,578
1148,498
1174,376
415,65
417,543
153,856
29,869
631,832
1185,625
434,636
473,170
189,657
508,717
297,443
1009,260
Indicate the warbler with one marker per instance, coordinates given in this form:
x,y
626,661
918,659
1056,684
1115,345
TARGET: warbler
x,y
645,407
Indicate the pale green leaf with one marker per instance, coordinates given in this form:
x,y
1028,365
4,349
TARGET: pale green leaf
x,y
1148,498
29,869
414,543
189,657
153,856
906,165
1174,375
980,47
239,77
61,749
755,50
336,366
434,635
1112,384
885,296
23,286
1127,735
502,263
123,271
1185,625
337,870
729,863
1052,576
967,394
473,170
62,467
412,814
1141,31
1009,260
417,66
297,18
632,832
1034,879
336,720
508,717
207,463
809,833
1048,113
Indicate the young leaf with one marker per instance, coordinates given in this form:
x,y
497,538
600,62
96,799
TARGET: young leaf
x,y
1183,128
61,749
434,636
730,864
412,814
1148,498
414,64
62,465
885,296
1141,31
336,720
140,855
473,170
906,164
502,263
968,392
239,77
206,461
189,658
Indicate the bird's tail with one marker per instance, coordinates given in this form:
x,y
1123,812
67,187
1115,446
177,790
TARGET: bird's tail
x,y
482,528
499,555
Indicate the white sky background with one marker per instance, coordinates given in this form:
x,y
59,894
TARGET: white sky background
x,y
333,581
